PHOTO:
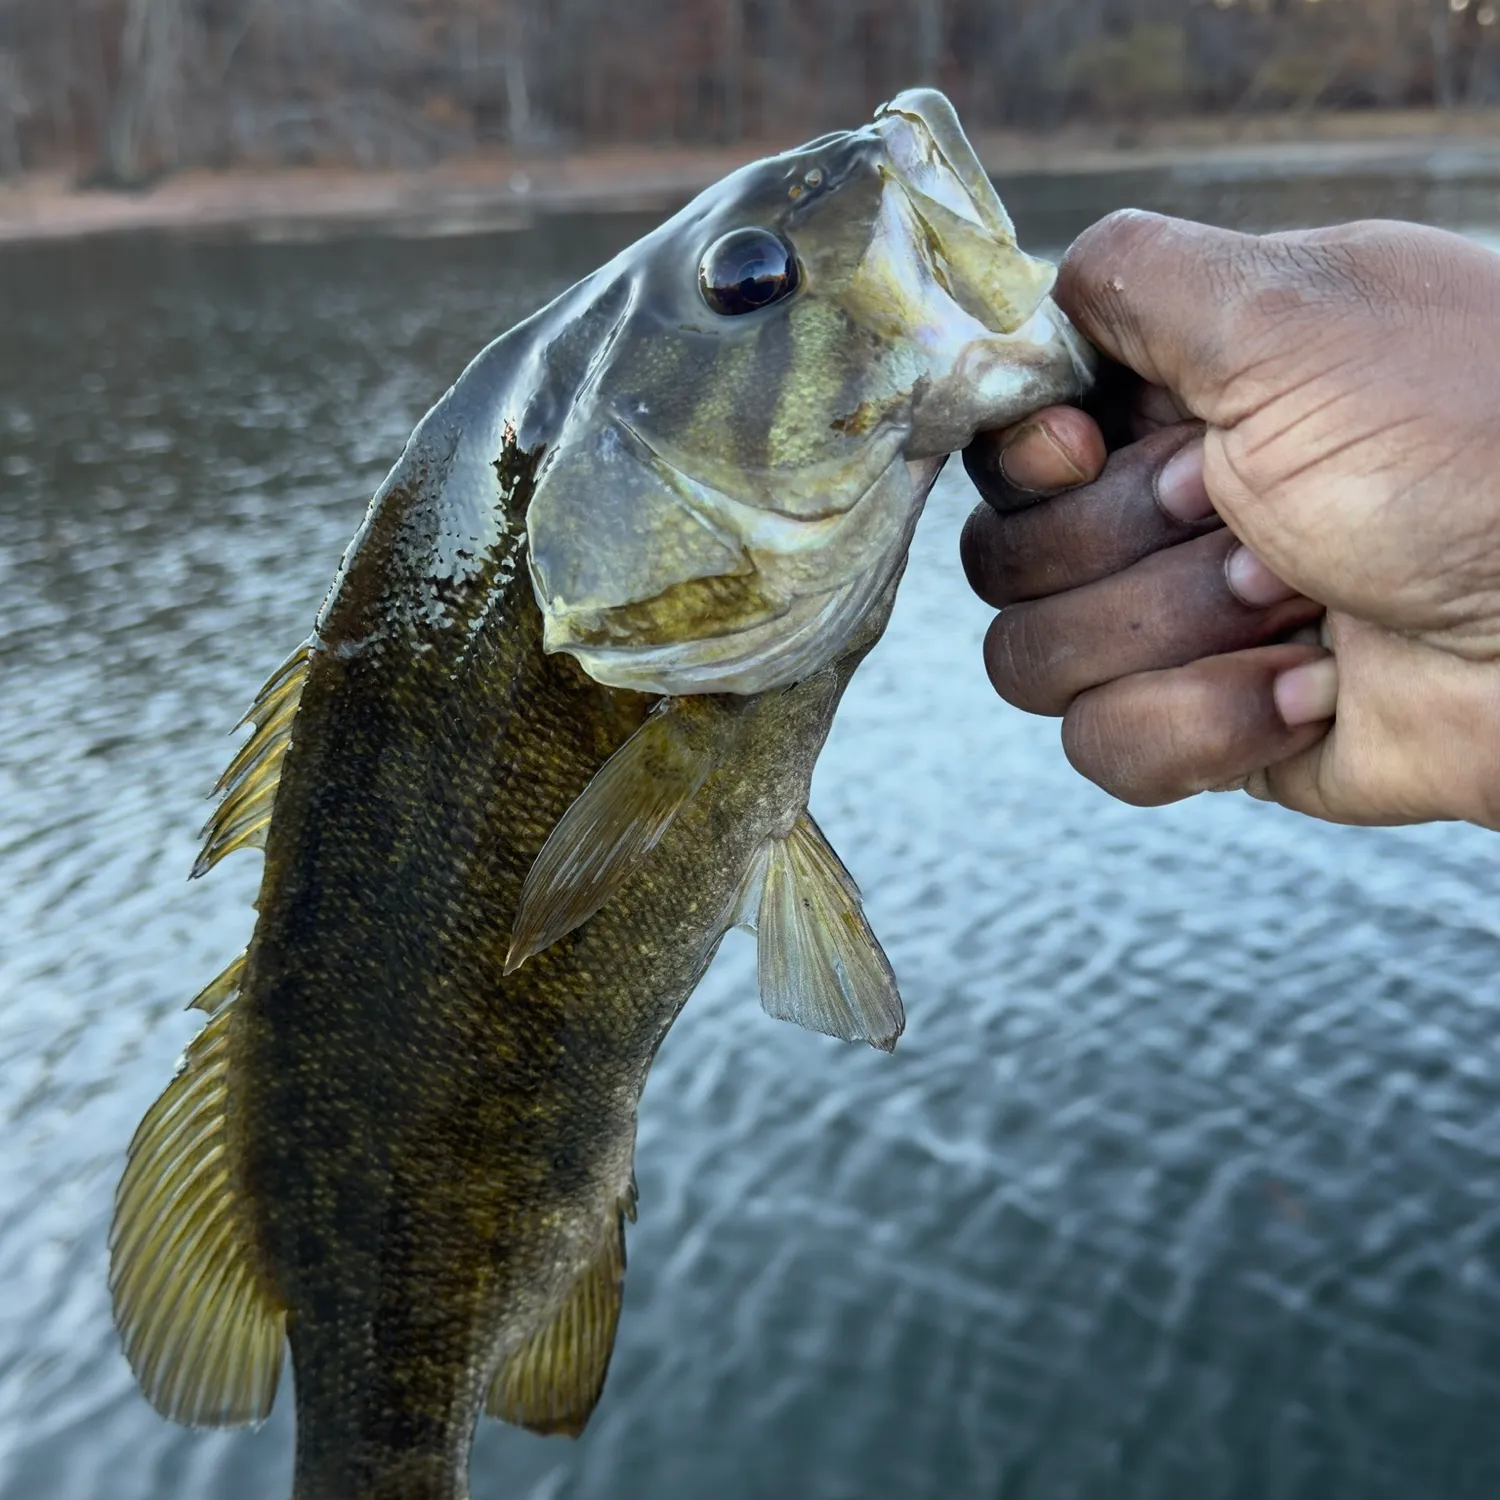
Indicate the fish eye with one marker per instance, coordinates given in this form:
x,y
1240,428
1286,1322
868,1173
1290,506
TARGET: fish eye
x,y
745,270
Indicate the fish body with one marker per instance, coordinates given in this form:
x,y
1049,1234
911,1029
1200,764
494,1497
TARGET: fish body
x,y
552,736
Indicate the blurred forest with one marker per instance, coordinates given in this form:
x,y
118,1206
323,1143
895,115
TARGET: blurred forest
x,y
120,91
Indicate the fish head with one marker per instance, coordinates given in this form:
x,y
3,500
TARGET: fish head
x,y
788,363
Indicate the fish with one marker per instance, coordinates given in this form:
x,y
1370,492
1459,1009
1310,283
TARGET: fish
x,y
550,738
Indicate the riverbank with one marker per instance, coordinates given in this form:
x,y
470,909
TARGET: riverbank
x,y
504,190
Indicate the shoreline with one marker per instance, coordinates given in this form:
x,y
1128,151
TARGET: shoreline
x,y
502,190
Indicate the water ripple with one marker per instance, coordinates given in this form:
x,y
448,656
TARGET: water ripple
x,y
1183,1181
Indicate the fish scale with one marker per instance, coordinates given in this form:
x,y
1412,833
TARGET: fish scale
x,y
499,858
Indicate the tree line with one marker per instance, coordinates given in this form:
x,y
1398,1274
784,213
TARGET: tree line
x,y
120,90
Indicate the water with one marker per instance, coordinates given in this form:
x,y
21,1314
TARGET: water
x,y
1184,1182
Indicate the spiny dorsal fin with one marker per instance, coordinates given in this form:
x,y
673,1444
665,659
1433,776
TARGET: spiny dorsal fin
x,y
200,1332
219,991
249,781
819,964
617,820
551,1383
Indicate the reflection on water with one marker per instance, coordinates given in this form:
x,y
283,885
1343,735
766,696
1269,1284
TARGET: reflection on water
x,y
1051,210
1185,1181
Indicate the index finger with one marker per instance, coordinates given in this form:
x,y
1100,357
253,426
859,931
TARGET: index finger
x,y
1165,297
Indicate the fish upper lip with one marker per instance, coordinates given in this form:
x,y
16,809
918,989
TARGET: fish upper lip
x,y
960,227
988,210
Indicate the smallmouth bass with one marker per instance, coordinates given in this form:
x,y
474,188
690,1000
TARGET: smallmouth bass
x,y
551,736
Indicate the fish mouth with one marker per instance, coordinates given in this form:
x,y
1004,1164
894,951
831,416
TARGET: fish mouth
x,y
1006,346
921,129
967,238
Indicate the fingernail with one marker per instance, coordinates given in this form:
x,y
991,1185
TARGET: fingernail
x,y
1005,460
1253,581
1307,693
1179,486
1014,465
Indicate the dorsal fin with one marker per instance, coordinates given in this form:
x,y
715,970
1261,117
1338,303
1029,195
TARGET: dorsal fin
x,y
819,964
552,1383
220,990
249,781
201,1332
617,820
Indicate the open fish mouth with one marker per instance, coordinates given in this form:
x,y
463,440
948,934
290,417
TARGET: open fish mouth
x,y
960,222
922,132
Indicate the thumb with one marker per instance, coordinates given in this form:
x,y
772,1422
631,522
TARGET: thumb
x,y
1168,298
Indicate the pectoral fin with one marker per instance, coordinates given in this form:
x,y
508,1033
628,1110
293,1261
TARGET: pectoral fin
x,y
200,1330
552,1383
819,963
617,820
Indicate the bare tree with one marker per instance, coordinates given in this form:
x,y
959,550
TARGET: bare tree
x,y
128,87
732,67
1442,55
14,107
838,56
143,124
517,93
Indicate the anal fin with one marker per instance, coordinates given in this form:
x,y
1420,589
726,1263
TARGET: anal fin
x,y
617,820
818,962
552,1383
201,1332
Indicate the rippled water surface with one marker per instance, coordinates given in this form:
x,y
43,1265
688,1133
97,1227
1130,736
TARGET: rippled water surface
x,y
1184,1182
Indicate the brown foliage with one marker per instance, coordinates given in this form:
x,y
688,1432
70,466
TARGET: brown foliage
x,y
123,89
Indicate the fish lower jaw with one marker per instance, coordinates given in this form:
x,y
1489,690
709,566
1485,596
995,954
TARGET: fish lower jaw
x,y
1069,356
1000,379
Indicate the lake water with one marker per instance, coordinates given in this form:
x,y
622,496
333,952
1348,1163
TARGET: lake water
x,y
1184,1181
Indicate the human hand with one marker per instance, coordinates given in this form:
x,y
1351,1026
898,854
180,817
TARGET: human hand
x,y
1338,385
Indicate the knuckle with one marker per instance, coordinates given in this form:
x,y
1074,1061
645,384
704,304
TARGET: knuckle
x,y
1367,268
1217,732
1038,554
